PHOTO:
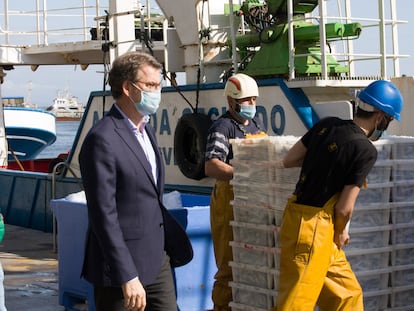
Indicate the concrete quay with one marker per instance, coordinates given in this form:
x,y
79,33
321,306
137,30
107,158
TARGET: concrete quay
x,y
31,270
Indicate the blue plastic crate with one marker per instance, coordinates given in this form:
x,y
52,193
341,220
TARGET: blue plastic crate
x,y
194,281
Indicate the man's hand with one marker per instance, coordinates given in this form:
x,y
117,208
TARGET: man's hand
x,y
341,238
134,295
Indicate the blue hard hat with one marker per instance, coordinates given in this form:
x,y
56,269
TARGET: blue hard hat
x,y
384,96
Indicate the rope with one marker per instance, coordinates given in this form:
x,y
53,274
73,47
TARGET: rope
x,y
19,163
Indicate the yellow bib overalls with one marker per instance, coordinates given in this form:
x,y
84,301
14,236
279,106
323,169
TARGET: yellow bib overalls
x,y
312,268
221,213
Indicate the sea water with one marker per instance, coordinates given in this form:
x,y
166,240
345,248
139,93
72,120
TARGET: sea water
x,y
65,135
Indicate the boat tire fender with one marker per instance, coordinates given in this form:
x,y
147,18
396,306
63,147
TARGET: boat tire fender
x,y
190,138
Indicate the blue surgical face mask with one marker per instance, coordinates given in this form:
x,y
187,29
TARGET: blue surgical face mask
x,y
150,101
376,134
247,112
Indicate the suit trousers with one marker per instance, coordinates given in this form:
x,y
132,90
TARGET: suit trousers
x,y
161,295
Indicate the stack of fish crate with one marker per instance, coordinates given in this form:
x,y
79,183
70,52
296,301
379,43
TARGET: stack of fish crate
x,y
381,248
369,249
402,219
384,213
261,189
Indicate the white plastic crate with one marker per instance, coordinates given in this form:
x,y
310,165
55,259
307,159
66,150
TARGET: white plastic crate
x,y
253,213
402,276
403,191
286,176
380,172
373,280
376,300
280,145
375,193
253,172
368,259
402,212
263,172
402,147
275,196
403,254
402,298
278,213
242,307
252,149
253,193
255,255
369,237
254,275
384,148
253,296
371,215
403,170
280,195
256,234
403,234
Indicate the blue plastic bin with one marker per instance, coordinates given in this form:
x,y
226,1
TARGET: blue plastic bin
x,y
72,223
194,281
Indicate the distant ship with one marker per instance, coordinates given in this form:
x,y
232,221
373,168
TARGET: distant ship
x,y
66,108
29,130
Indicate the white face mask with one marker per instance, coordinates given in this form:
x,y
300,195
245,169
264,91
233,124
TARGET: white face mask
x,y
150,101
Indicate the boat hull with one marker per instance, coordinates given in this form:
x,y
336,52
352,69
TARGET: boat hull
x,y
27,196
28,131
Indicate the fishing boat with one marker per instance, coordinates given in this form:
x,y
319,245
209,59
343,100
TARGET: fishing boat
x,y
305,56
29,130
66,107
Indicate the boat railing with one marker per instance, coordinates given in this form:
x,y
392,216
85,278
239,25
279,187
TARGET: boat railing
x,y
58,171
53,22
46,23
380,27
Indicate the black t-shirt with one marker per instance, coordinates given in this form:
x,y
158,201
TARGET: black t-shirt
x,y
338,154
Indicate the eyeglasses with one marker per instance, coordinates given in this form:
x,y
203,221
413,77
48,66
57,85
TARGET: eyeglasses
x,y
148,85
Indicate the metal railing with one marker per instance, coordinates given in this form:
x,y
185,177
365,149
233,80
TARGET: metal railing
x,y
379,27
43,22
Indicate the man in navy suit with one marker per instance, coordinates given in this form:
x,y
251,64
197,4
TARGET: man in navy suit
x,y
123,177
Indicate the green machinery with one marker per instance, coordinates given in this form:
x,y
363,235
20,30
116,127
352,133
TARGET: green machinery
x,y
264,51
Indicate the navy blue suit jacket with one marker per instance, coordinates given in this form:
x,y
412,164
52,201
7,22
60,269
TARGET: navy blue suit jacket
x,y
126,235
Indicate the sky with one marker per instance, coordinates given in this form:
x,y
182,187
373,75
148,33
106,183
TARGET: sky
x,y
42,86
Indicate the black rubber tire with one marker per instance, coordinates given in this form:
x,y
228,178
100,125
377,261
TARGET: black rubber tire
x,y
190,138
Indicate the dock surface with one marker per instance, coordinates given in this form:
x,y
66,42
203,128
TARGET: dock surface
x,y
31,270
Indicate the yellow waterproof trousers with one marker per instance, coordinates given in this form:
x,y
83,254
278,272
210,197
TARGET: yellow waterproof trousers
x,y
312,268
221,213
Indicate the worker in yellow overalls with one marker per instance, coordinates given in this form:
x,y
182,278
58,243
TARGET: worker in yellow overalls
x,y
336,156
239,121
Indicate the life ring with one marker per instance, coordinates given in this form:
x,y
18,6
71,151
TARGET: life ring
x,y
190,138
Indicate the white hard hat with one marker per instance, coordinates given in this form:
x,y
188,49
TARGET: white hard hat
x,y
241,86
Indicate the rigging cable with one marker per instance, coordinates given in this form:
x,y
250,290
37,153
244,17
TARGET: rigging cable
x,y
106,61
